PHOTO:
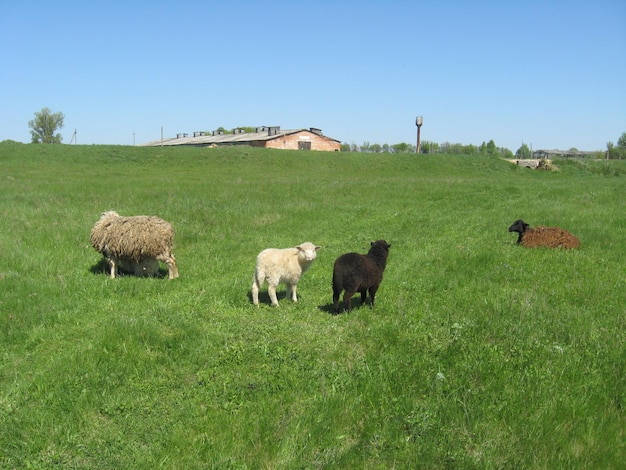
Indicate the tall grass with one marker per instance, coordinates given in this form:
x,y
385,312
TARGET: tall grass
x,y
478,354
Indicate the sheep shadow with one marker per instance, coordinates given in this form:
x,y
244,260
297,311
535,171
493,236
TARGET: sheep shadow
x,y
356,304
102,267
264,297
328,308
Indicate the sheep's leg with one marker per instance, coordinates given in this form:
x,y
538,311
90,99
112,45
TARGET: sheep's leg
x,y
172,269
372,294
287,291
336,294
255,291
347,299
363,296
113,267
291,292
171,265
271,290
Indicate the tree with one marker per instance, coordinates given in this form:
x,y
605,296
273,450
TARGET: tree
x,y
610,150
430,147
44,126
618,151
506,153
402,147
523,152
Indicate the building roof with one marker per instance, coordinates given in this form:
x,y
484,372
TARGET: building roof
x,y
263,133
562,153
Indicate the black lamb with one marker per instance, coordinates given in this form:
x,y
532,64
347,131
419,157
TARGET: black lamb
x,y
354,272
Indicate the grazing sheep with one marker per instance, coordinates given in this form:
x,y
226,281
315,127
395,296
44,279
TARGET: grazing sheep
x,y
354,273
276,266
551,237
128,240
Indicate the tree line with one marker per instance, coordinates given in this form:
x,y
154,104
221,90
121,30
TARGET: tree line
x,y
617,152
427,147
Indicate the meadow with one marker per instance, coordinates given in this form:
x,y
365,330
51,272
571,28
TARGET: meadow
x,y
479,353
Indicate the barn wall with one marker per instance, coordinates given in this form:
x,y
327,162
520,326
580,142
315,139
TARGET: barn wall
x,y
290,142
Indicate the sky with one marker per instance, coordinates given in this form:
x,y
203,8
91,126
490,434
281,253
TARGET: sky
x,y
545,73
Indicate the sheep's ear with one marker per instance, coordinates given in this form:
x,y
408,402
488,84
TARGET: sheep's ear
x,y
317,248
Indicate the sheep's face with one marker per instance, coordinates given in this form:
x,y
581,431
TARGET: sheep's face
x,y
307,251
519,226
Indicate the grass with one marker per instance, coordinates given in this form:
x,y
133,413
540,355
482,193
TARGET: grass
x,y
478,354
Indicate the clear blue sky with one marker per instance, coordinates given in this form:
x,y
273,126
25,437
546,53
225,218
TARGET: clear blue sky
x,y
551,74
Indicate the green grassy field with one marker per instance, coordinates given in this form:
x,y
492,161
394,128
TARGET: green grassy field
x,y
478,354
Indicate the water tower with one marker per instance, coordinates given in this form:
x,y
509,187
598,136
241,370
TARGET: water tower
x,y
418,122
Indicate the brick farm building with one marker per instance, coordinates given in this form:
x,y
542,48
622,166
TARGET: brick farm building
x,y
266,137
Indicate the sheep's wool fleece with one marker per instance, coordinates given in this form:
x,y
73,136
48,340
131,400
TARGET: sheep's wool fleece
x,y
551,237
134,238
285,264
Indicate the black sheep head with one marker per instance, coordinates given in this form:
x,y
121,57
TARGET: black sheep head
x,y
520,227
379,246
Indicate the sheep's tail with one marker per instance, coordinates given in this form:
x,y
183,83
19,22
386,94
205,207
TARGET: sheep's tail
x,y
337,281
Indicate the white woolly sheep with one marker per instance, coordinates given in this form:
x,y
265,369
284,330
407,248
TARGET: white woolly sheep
x,y
134,240
551,237
277,266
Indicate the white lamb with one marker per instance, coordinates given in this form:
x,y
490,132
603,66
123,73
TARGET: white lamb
x,y
278,266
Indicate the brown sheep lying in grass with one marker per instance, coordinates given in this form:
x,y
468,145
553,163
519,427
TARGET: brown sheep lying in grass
x,y
550,237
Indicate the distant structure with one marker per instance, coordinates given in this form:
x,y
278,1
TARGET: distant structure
x,y
265,137
419,120
550,154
